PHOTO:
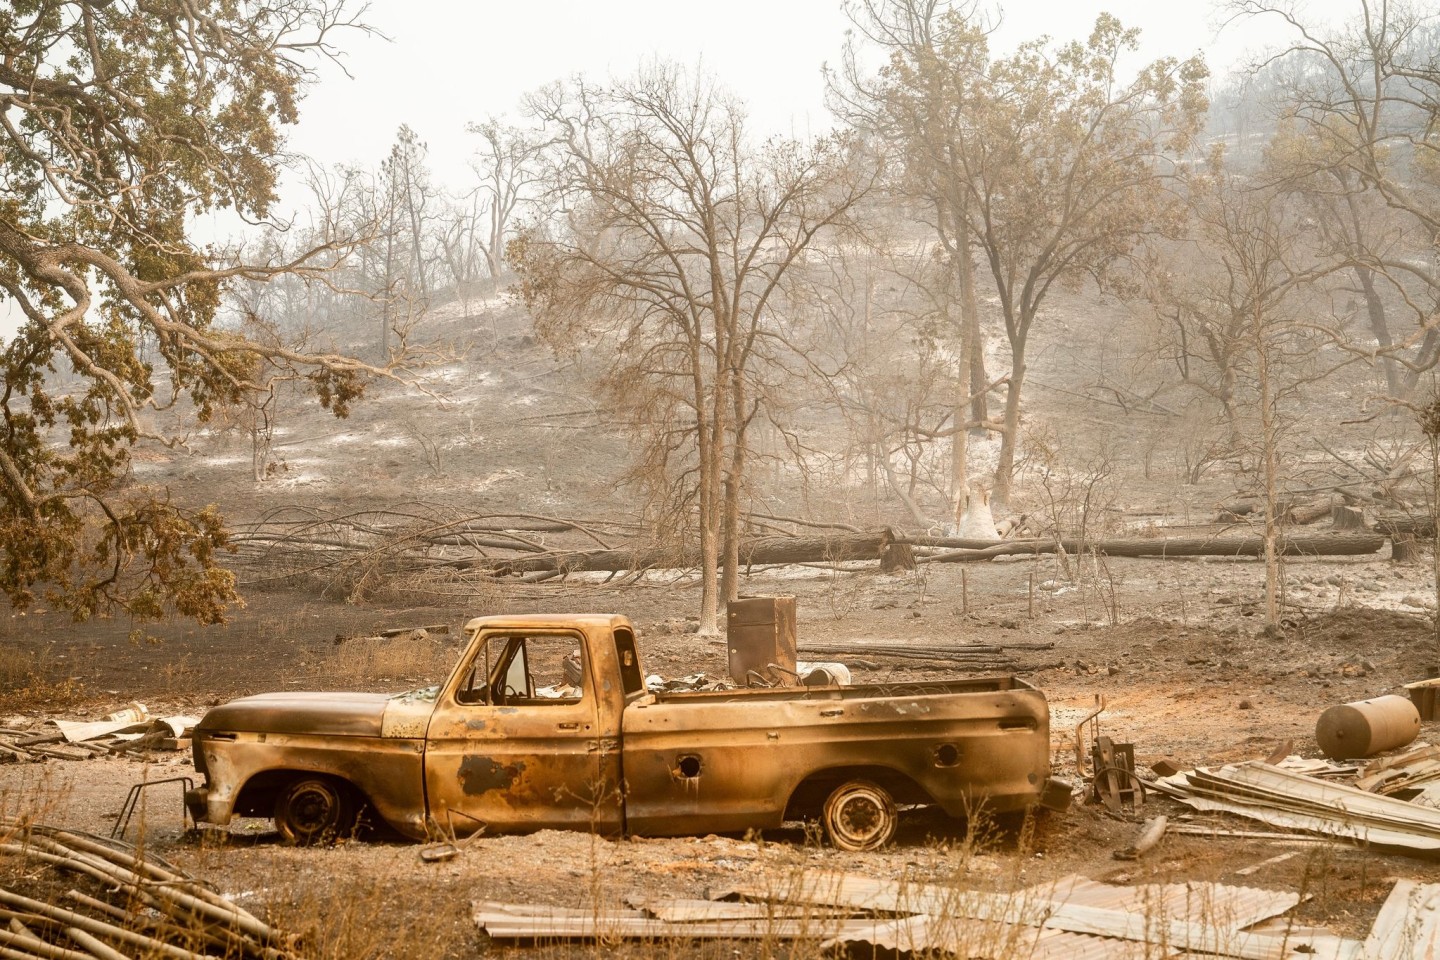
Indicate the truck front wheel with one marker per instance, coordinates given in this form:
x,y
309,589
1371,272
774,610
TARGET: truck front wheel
x,y
859,815
310,810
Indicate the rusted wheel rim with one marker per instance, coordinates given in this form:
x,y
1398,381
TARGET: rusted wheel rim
x,y
314,808
860,816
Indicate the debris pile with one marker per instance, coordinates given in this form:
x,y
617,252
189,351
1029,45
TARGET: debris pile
x,y
695,681
128,731
1297,801
1390,775
1067,918
119,904
970,656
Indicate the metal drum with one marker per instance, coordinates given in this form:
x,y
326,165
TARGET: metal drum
x,y
760,631
1367,727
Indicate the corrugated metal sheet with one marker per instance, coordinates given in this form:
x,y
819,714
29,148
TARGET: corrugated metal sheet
x,y
1234,907
1209,915
1286,799
1069,919
983,940
1408,924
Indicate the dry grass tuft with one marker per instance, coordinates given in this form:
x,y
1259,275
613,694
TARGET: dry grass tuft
x,y
411,657
27,678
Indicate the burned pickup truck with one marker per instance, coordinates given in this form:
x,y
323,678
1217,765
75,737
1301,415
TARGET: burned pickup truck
x,y
546,722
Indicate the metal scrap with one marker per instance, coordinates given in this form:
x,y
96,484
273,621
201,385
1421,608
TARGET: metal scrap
x,y
695,681
131,730
1292,800
1070,918
1390,775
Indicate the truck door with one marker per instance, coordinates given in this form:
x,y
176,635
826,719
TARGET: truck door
x,y
515,742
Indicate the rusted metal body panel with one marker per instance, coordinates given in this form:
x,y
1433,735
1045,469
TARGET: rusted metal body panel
x,y
369,740
499,745
735,759
525,765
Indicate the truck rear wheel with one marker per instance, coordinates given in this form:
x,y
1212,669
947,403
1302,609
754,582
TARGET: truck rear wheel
x,y
311,810
859,815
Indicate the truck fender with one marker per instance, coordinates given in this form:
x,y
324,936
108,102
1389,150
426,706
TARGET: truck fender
x,y
807,800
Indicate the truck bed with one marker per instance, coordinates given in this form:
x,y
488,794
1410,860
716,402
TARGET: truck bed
x,y
850,691
965,744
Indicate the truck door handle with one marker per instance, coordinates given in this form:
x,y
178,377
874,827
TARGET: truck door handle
x,y
568,726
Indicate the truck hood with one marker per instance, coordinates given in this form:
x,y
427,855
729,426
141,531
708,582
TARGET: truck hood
x,y
333,714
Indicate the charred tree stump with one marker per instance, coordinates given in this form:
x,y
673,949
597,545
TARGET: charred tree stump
x,y
1345,518
897,557
1404,548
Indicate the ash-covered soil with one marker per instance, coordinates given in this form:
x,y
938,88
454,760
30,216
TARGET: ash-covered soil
x,y
1189,677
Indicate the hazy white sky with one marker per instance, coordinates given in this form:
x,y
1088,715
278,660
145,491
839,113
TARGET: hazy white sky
x,y
448,62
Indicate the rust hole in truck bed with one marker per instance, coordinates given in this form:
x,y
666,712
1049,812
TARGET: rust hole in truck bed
x,y
688,767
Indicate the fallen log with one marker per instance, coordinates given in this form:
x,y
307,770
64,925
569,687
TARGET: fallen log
x,y
1292,510
754,551
1422,527
1310,512
1320,545
949,543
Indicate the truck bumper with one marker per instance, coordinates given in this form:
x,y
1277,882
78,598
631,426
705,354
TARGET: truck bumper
x,y
206,809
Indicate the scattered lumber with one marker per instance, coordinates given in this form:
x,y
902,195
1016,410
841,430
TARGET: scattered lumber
x,y
1324,544
123,904
131,731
